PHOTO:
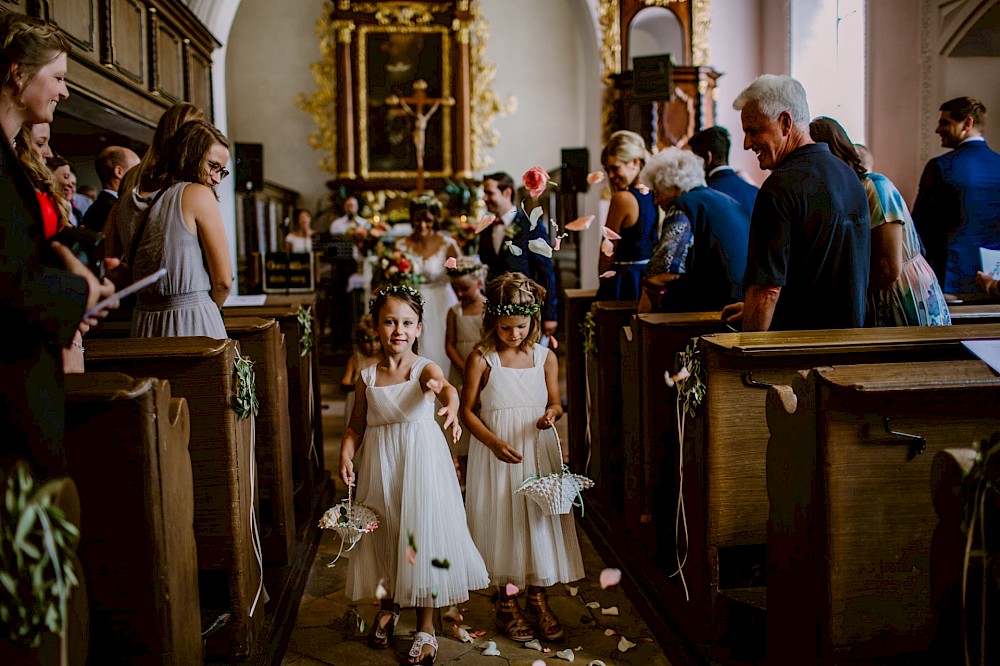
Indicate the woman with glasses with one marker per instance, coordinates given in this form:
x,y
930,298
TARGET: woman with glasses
x,y
172,220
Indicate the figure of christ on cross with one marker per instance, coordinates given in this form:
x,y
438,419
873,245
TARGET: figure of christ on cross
x,y
416,106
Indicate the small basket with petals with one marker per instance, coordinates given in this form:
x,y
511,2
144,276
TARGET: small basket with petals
x,y
556,493
350,520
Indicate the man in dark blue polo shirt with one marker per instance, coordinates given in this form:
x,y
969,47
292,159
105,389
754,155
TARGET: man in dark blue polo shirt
x,y
807,259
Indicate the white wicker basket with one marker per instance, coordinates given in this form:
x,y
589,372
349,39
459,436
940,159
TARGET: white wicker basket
x,y
558,492
350,520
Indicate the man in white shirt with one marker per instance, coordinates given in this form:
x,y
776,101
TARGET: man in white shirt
x,y
350,219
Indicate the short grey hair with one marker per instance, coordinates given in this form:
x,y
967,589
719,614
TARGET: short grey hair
x,y
774,94
673,166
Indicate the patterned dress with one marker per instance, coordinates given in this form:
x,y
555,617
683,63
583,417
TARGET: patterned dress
x,y
405,473
915,298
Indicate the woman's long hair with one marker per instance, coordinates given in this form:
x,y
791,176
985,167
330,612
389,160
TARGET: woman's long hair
x,y
170,122
27,44
828,131
182,156
40,174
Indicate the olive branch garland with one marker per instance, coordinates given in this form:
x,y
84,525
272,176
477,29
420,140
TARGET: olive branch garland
x,y
305,318
245,401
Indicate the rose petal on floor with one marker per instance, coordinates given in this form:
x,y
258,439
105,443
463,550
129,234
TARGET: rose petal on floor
x,y
534,645
594,604
609,632
610,577
625,644
490,649
613,610
568,655
511,589
573,590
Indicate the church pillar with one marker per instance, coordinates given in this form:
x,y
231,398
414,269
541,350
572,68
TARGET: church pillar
x,y
345,110
463,94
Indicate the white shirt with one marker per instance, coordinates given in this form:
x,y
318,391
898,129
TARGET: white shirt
x,y
342,224
500,232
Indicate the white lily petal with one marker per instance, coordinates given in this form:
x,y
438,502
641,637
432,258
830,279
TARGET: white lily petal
x,y
573,590
536,213
513,249
567,654
539,246
534,645
594,604
613,610
624,645
490,650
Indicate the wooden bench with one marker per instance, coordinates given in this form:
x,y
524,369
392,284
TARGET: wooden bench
x,y
851,519
576,304
127,449
728,511
263,342
202,370
975,313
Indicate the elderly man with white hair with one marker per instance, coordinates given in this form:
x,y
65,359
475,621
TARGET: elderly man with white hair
x,y
699,262
808,254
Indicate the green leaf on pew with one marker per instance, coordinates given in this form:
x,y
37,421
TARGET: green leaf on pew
x,y
306,323
588,328
691,391
245,401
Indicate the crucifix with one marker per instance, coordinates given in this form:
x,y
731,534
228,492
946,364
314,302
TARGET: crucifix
x,y
417,106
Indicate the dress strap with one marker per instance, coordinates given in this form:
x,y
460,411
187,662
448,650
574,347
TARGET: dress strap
x,y
368,374
418,367
492,359
541,353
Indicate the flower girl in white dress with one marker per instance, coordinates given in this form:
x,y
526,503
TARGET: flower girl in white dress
x,y
422,553
516,382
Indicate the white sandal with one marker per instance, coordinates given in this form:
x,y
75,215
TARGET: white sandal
x,y
420,639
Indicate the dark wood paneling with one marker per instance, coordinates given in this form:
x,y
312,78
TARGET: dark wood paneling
x,y
128,19
169,63
199,90
78,19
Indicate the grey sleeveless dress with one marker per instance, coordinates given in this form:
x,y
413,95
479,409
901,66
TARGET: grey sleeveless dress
x,y
179,304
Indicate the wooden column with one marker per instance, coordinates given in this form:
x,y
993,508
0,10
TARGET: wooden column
x,y
463,106
345,110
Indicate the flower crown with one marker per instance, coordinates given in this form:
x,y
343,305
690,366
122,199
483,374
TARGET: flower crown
x,y
428,200
464,266
511,309
396,288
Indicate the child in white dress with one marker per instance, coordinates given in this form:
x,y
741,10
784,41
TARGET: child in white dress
x,y
367,350
516,382
421,553
463,330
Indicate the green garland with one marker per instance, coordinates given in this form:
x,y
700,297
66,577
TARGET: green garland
x,y
692,389
36,572
511,309
245,401
306,336
588,328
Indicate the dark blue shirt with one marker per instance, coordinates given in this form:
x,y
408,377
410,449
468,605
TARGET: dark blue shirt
x,y
727,181
809,234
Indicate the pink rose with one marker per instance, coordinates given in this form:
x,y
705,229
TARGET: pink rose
x,y
535,179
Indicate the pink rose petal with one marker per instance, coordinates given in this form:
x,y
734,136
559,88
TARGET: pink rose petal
x,y
451,262
553,343
434,385
557,244
607,274
610,234
595,177
411,555
536,192
511,589
610,577
580,223
642,189
486,222
607,248
609,632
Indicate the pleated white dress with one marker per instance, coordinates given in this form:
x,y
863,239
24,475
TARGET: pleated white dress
x,y
405,473
468,330
519,544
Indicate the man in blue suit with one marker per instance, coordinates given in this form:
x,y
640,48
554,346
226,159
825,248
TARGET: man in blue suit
x,y
513,225
712,145
958,204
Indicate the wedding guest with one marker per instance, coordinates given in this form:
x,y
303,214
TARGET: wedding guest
x,y
712,145
300,237
350,219
111,164
632,217
65,181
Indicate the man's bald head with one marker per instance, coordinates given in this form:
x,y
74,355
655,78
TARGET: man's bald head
x,y
112,164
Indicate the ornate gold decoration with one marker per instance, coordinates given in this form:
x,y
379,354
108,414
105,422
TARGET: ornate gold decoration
x,y
609,17
362,128
343,5
344,30
486,104
701,30
322,103
401,13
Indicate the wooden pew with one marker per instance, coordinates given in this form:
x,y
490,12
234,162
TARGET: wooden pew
x,y
127,448
851,519
606,462
728,512
263,342
576,304
974,313
308,471
202,370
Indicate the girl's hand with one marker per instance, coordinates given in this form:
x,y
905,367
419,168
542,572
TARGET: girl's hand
x,y
347,472
506,453
548,419
450,414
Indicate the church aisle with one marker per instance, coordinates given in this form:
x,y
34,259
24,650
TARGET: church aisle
x,y
326,627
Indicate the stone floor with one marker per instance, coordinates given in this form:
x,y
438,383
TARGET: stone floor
x,y
327,628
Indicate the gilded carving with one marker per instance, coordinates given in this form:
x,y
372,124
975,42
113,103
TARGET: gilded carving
x,y
322,103
344,30
401,13
609,17
701,29
486,104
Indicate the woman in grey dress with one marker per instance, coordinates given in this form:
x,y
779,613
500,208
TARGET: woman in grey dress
x,y
184,234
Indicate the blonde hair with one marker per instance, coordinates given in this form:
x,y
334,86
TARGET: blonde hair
x,y
625,146
171,121
40,175
511,291
29,44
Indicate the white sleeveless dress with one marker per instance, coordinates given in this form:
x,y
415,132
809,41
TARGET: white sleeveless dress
x,y
468,329
404,472
519,544
438,297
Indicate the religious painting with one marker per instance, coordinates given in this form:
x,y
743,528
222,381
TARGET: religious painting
x,y
395,62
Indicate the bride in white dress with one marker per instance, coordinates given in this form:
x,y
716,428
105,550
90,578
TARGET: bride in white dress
x,y
429,249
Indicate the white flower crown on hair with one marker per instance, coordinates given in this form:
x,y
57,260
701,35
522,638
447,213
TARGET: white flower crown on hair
x,y
397,288
512,309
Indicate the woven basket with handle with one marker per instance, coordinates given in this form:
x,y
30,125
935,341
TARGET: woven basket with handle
x,y
558,492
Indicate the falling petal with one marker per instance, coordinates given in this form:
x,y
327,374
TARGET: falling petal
x,y
380,592
580,223
573,590
451,262
452,613
667,379
411,555
609,632
607,248
534,645
567,654
486,222
434,385
595,177
553,343
624,645
511,590
682,375
610,234
461,634
607,274
539,246
594,604
558,244
610,577
513,249
642,189
597,662
536,213
490,650
411,541
613,610
479,633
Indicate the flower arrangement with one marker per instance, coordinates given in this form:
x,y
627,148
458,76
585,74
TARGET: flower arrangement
x,y
463,230
366,238
396,266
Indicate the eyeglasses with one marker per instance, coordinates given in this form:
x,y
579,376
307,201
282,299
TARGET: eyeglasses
x,y
215,167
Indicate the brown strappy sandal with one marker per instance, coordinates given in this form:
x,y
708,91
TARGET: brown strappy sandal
x,y
383,627
510,621
536,605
